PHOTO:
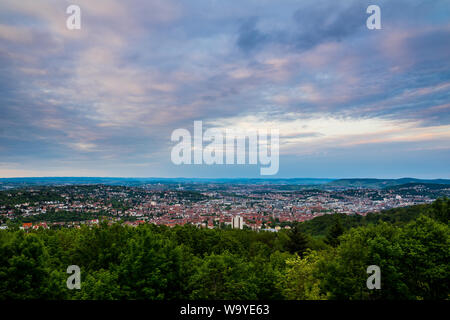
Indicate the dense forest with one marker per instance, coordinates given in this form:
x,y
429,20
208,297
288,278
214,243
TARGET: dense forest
x,y
325,258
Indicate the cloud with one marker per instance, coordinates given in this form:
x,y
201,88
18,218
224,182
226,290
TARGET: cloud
x,y
318,133
114,91
250,37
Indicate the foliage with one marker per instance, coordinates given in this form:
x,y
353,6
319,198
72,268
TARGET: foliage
x,y
334,233
299,281
411,248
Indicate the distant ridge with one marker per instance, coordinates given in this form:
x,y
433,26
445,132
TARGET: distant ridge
x,y
35,181
382,183
6,183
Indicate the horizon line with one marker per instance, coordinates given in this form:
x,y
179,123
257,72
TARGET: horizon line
x,y
221,178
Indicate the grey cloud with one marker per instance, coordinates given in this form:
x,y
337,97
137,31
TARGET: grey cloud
x,y
250,37
324,21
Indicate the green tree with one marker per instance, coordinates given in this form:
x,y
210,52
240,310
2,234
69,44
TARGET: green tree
x,y
152,267
441,210
298,242
343,272
426,250
299,281
24,271
334,232
223,276
98,285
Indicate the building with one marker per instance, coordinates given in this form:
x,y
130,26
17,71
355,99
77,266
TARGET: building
x,y
26,226
40,225
237,222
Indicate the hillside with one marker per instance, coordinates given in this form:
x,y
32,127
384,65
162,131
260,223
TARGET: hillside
x,y
319,226
381,183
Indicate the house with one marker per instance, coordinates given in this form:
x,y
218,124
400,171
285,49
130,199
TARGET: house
x,y
26,226
40,225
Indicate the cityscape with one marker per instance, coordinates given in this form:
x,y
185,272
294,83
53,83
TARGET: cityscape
x,y
256,205
224,158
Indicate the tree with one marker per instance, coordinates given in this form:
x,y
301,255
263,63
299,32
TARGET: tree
x,y
334,233
426,251
441,210
24,271
299,281
223,277
153,267
298,241
343,272
98,285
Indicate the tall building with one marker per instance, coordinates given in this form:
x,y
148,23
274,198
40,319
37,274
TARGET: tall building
x,y
237,222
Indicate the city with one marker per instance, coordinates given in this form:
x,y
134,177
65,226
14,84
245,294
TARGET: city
x,y
268,207
224,158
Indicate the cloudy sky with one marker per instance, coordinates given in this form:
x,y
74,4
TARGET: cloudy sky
x,y
104,100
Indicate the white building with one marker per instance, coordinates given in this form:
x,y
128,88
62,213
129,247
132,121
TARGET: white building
x,y
237,222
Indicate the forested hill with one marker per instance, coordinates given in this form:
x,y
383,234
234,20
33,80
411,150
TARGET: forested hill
x,y
381,183
319,226
412,251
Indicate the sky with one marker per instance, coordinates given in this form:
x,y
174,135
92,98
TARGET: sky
x,y
105,99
